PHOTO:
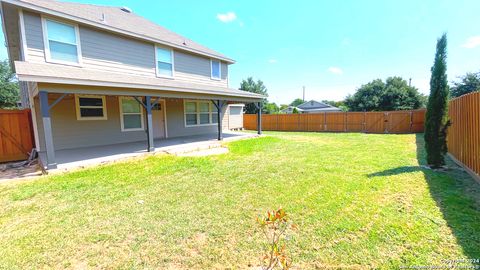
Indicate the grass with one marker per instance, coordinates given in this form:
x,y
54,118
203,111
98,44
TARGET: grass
x,y
360,201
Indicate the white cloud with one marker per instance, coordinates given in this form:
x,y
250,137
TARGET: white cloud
x,y
335,70
227,17
472,42
272,61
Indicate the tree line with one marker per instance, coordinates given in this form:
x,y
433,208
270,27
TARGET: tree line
x,y
392,94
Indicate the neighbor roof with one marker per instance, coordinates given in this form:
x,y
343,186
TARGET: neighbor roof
x,y
313,104
60,74
118,20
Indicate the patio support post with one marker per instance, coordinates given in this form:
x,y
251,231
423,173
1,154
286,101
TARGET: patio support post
x,y
148,108
219,119
259,118
47,130
219,104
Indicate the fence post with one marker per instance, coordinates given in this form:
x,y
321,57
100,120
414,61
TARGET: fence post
x,y
364,122
325,121
346,119
411,120
385,122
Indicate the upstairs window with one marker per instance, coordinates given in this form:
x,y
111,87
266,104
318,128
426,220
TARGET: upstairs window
x,y
215,69
164,58
61,42
91,107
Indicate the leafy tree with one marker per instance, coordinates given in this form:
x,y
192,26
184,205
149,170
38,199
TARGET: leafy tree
x,y
283,106
9,93
470,82
436,119
339,104
297,102
271,108
295,110
391,95
255,87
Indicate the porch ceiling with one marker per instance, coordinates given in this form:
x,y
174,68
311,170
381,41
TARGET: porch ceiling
x,y
94,82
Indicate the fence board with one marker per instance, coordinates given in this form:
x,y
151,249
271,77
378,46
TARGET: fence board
x,y
16,135
464,134
355,121
371,122
375,122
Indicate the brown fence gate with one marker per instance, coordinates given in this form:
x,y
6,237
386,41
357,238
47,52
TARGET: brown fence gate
x,y
369,122
16,135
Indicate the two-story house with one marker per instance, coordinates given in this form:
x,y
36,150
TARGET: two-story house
x,y
99,75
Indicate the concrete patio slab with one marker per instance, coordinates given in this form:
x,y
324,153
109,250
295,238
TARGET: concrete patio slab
x,y
68,159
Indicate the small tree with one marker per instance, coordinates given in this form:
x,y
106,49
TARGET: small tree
x,y
275,226
9,93
297,102
271,108
295,110
436,122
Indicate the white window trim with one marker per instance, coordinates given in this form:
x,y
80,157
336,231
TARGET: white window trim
x,y
210,113
156,62
122,126
48,57
77,107
219,70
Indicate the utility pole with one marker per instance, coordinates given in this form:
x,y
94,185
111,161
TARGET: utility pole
x,y
303,93
410,82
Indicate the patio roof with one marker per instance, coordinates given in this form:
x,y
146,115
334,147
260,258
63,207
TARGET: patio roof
x,y
70,75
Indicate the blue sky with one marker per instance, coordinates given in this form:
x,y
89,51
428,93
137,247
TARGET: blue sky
x,y
330,47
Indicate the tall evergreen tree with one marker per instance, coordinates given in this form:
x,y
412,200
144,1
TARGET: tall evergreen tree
x,y
436,121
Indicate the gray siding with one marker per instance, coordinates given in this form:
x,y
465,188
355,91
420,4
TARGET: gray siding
x,y
176,121
106,51
68,132
195,69
34,38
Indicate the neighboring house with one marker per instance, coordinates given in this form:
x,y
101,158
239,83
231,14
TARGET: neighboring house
x,y
100,75
312,106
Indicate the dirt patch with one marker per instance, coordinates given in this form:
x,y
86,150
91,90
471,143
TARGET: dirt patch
x,y
12,171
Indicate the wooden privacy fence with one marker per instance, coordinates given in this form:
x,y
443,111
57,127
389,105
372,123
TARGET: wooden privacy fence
x,y
370,122
16,135
464,133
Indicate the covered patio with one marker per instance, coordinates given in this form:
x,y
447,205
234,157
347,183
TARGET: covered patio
x,y
89,156
65,97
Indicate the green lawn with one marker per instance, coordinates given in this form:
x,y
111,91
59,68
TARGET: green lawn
x,y
359,201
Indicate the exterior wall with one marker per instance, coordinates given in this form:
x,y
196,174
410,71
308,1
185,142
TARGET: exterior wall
x,y
103,50
176,121
68,132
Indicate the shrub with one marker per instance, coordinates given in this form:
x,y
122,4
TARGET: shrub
x,y
276,225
